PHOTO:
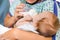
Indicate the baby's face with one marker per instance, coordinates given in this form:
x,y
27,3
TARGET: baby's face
x,y
46,30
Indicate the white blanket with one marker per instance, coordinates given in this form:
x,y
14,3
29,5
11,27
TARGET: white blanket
x,y
3,29
28,27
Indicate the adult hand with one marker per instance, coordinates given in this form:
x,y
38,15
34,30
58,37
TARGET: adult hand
x,y
19,9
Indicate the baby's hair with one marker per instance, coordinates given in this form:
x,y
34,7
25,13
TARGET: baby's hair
x,y
50,30
46,30
56,24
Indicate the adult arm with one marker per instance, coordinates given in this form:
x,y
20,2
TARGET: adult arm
x,y
22,35
11,20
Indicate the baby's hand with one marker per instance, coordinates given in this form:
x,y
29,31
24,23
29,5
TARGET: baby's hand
x,y
28,18
20,22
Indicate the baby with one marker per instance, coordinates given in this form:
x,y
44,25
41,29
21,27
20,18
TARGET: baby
x,y
40,24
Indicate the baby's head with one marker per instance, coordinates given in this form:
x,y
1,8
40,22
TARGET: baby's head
x,y
48,27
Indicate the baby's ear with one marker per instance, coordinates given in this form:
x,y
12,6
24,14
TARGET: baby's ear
x,y
53,31
56,24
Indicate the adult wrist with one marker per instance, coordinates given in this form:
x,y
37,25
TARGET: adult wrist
x,y
15,18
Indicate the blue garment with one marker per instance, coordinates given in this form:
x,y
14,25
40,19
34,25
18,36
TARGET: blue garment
x,y
56,13
55,9
58,32
58,3
4,8
53,37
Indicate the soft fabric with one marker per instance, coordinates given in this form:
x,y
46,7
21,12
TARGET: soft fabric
x,y
30,27
58,35
3,29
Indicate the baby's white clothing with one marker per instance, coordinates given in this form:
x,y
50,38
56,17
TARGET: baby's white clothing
x,y
28,27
